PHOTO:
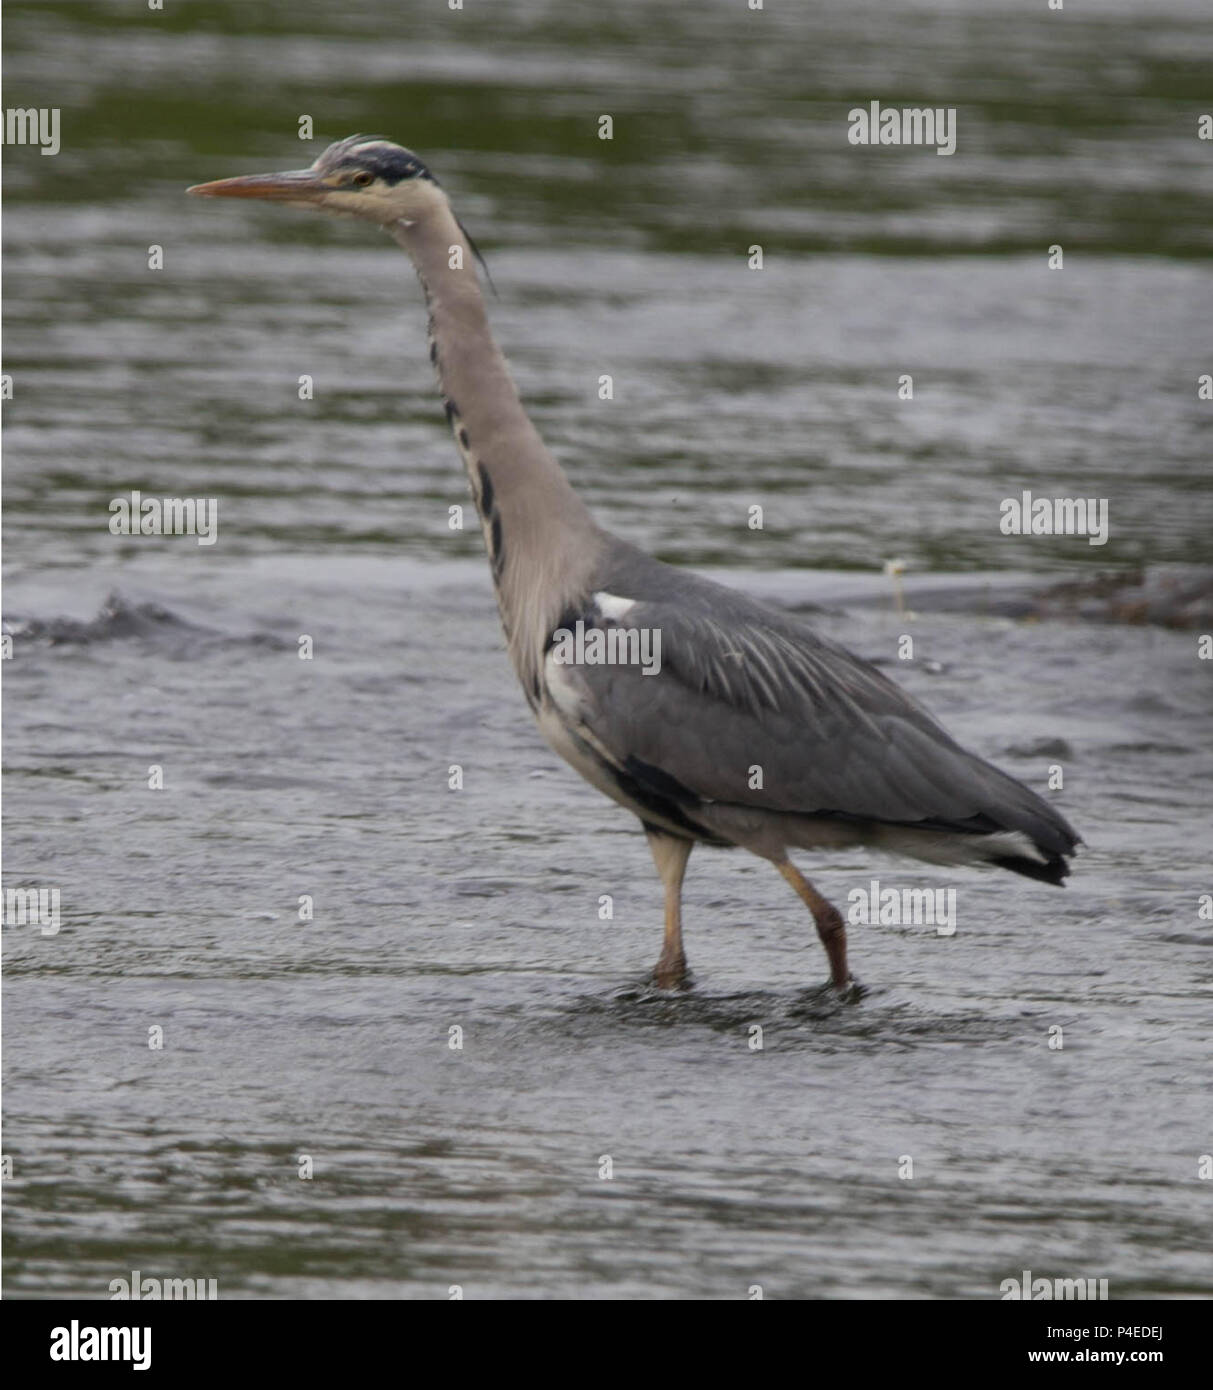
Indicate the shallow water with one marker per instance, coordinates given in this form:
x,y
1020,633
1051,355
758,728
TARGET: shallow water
x,y
480,909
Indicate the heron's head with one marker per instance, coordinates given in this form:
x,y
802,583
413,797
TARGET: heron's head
x,y
362,176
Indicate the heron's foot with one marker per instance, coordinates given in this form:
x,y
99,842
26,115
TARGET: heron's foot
x,y
850,993
671,972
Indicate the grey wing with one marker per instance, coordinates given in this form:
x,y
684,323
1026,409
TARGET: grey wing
x,y
750,707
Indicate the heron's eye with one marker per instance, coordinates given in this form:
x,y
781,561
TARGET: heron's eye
x,y
363,178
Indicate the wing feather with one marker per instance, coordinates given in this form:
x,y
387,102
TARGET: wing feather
x,y
742,686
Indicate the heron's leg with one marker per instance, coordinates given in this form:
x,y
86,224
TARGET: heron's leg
x,y
830,926
670,854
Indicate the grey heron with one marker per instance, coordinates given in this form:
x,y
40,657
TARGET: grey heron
x,y
753,731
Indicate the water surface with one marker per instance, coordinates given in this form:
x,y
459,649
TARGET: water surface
x,y
479,909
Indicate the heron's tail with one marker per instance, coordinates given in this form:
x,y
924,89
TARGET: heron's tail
x,y
1054,870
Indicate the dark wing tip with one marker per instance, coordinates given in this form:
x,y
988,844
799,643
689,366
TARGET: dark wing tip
x,y
1055,870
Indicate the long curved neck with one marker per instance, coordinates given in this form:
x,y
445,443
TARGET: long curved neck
x,y
541,538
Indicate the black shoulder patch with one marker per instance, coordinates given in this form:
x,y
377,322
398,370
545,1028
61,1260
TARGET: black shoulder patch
x,y
567,622
660,782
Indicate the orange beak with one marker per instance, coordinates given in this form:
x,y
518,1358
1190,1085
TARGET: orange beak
x,y
297,186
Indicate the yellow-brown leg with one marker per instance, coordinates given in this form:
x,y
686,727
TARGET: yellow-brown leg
x,y
670,854
830,926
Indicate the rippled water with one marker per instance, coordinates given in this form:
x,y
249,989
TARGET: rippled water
x,y
479,910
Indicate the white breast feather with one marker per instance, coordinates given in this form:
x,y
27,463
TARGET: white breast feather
x,y
612,606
